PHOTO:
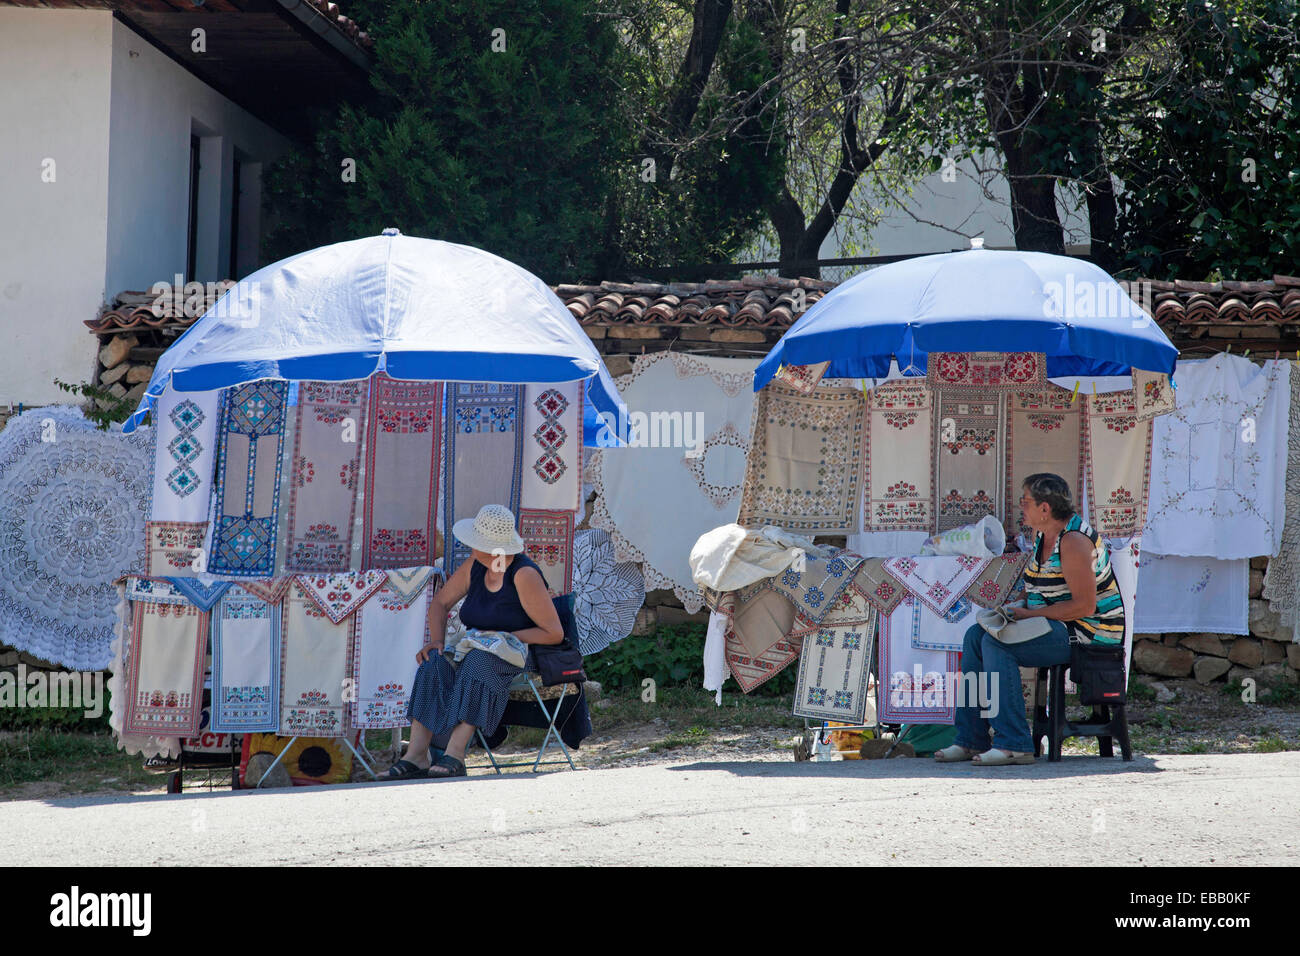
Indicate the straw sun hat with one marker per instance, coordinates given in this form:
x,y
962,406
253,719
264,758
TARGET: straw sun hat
x,y
491,530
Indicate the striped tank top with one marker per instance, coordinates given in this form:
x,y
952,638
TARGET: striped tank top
x,y
1045,584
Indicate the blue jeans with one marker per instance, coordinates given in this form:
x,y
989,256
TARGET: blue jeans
x,y
983,654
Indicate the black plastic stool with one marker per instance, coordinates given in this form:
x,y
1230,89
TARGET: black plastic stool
x,y
1050,719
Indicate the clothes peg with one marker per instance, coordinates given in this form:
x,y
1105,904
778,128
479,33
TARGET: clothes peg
x,y
1227,351
1247,355
1076,391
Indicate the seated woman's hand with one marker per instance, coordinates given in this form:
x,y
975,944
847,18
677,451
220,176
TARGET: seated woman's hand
x,y
428,651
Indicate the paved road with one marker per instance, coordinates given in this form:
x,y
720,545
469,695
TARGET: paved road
x,y
1220,810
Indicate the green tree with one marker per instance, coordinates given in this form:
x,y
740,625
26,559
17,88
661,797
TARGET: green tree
x,y
534,149
1210,164
509,148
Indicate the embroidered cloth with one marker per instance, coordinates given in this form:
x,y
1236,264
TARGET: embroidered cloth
x,y
390,630
157,590
185,424
245,663
994,585
165,666
1183,595
1218,485
149,745
176,547
937,581
919,684
1117,464
606,593
970,456
900,462
834,668
184,455
876,585
985,371
406,584
403,455
552,459
694,415
1044,434
250,436
802,378
943,632
1153,393
338,595
202,595
815,589
73,501
325,465
270,590
485,443
1283,574
548,540
752,671
315,658
804,471
760,618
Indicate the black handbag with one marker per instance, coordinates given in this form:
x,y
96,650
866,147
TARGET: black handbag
x,y
560,663
1098,671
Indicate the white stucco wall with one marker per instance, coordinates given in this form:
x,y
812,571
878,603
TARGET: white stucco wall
x,y
114,114
155,104
54,104
938,215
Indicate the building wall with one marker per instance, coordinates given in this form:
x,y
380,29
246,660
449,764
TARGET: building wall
x,y
937,216
155,106
114,115
54,105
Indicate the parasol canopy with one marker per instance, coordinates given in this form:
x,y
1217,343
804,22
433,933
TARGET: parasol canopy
x,y
976,300
418,309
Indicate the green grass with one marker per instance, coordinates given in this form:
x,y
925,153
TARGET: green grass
x,y
1280,695
1275,744
78,762
1140,691
687,707
690,737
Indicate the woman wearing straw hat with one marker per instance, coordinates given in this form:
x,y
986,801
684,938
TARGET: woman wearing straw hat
x,y
503,591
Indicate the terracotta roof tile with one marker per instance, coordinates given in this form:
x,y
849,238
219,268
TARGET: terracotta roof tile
x,y
773,303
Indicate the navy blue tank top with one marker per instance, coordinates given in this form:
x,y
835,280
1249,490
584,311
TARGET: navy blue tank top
x,y
499,611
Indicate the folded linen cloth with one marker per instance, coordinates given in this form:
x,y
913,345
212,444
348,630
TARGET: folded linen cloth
x,y
1006,629
500,644
730,557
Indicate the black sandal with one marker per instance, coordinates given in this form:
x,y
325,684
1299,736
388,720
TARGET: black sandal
x,y
404,770
447,766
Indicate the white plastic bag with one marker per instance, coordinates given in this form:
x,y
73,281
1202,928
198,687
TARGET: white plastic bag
x,y
984,539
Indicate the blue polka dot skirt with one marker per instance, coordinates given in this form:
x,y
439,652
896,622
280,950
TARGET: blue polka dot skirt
x,y
476,692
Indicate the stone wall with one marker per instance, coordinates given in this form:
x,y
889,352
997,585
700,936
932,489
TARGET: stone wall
x,y
1267,655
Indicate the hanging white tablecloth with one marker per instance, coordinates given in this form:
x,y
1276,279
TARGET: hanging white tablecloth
x,y
1218,461
1183,595
656,500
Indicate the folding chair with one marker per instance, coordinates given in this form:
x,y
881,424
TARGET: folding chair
x,y
527,687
